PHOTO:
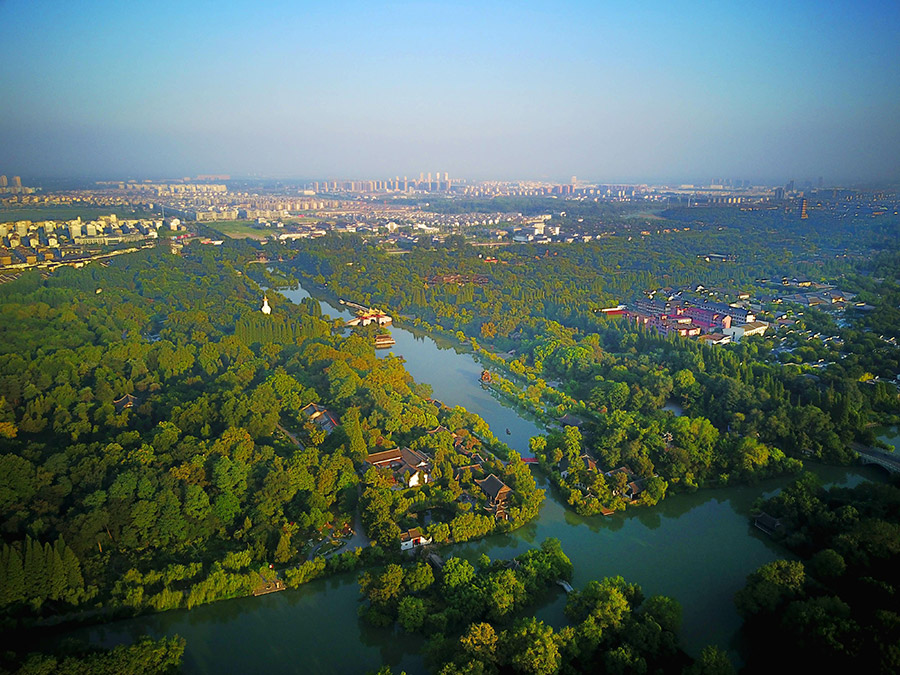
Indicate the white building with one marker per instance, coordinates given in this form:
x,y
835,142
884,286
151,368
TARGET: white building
x,y
746,329
412,538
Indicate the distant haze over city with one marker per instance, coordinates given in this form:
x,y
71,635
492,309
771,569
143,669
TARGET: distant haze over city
x,y
540,91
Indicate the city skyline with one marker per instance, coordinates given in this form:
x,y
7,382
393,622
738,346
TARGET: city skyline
x,y
424,182
494,91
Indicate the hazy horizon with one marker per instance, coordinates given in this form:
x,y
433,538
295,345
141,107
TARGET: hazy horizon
x,y
539,91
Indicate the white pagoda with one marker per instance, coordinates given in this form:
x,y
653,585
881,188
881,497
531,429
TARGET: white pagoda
x,y
265,307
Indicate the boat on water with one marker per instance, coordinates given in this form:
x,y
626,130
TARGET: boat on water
x,y
383,341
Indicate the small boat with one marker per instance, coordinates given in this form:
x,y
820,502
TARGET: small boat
x,y
384,341
508,432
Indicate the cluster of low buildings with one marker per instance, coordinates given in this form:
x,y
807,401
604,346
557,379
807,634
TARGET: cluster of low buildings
x,y
236,207
459,279
711,322
813,294
189,200
409,468
407,227
634,485
25,243
320,415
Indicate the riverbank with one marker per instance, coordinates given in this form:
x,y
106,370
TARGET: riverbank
x,y
695,547
706,535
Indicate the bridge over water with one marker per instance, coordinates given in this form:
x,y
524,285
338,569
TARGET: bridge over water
x,y
887,460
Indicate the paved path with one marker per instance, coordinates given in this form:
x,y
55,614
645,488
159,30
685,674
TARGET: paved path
x,y
357,540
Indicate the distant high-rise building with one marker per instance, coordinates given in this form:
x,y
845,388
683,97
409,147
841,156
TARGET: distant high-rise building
x,y
3,181
779,194
803,214
789,187
821,182
17,181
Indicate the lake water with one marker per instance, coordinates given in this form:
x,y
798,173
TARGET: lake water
x,y
889,435
453,374
674,407
697,548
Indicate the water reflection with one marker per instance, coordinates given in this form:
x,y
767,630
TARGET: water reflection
x,y
695,547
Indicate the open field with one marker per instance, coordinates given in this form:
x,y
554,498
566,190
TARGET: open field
x,y
237,229
645,215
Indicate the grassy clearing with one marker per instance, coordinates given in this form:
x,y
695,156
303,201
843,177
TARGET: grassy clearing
x,y
645,215
238,229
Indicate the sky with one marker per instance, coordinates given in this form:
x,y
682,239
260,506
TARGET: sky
x,y
671,91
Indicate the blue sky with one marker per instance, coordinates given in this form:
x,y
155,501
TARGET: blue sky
x,y
666,91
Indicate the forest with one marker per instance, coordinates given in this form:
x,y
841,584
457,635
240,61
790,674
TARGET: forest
x,y
744,412
747,411
164,444
531,284
837,605
144,657
158,449
472,615
744,417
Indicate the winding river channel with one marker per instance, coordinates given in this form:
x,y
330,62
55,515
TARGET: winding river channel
x,y
697,548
